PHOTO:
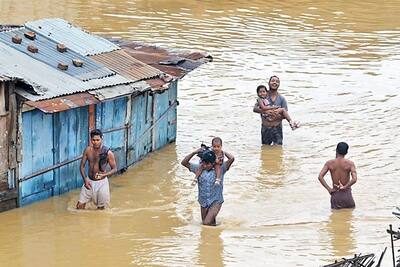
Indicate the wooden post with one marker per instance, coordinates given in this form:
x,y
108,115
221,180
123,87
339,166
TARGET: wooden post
x,y
2,99
92,119
154,121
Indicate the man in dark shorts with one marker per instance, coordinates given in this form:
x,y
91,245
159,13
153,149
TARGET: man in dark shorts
x,y
340,170
271,128
210,195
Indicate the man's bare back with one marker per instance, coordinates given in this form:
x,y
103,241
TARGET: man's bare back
x,y
343,174
340,169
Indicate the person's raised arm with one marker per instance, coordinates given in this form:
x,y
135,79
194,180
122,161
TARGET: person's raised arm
x,y
82,169
353,179
185,161
230,160
322,180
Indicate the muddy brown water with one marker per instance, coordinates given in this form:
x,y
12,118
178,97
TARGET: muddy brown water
x,y
338,63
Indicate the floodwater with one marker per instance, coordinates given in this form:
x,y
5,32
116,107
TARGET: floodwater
x,y
338,62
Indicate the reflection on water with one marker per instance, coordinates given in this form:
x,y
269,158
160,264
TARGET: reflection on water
x,y
271,169
210,251
340,230
338,63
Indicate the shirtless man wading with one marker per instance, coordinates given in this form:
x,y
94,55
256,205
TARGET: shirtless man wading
x,y
95,185
340,169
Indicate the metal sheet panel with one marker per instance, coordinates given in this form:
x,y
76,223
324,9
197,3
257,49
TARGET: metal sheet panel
x,y
37,154
160,131
139,134
17,65
63,103
73,37
119,90
110,118
70,140
122,63
173,62
48,54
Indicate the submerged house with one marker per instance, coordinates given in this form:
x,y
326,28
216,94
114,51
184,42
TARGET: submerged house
x,y
57,83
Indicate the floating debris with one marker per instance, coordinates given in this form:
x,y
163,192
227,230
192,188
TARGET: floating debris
x,y
358,261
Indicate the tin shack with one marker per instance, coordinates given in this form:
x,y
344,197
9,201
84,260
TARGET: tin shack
x,y
58,82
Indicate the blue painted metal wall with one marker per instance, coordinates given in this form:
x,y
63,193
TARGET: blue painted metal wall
x,y
161,129
139,139
51,139
110,118
70,140
37,155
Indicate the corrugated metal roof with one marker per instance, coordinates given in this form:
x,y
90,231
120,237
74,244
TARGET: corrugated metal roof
x,y
62,103
73,37
175,63
126,65
46,81
48,54
120,90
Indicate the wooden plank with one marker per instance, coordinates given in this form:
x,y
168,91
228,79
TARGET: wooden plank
x,y
3,145
12,130
8,204
9,194
172,114
92,118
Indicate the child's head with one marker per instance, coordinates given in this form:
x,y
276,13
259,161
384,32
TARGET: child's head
x,y
216,144
262,91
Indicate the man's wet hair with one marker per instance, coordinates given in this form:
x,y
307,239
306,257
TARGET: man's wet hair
x,y
95,132
208,156
342,148
216,140
260,87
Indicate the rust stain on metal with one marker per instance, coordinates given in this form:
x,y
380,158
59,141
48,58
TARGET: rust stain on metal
x,y
174,63
127,66
92,117
64,103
